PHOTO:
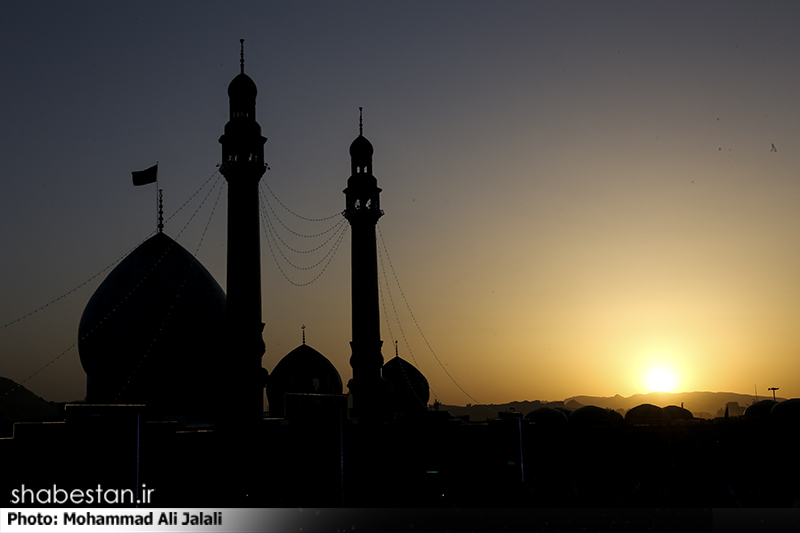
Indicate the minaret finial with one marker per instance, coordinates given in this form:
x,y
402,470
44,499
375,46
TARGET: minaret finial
x,y
241,55
303,327
360,121
160,210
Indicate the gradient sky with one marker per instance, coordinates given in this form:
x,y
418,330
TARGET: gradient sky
x,y
575,193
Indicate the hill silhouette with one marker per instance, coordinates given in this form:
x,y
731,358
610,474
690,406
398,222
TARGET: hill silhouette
x,y
18,403
702,404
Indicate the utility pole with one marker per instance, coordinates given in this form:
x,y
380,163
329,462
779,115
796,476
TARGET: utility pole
x,y
773,389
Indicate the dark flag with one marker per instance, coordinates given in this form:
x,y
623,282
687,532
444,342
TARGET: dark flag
x,y
143,177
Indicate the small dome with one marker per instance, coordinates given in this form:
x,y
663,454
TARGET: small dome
x,y
591,415
564,410
302,371
242,87
678,413
647,413
153,330
787,410
361,149
547,416
408,387
760,409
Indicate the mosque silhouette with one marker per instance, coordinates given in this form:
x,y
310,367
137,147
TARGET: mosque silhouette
x,y
154,331
175,387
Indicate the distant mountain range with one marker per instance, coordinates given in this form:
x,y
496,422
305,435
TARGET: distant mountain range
x,y
18,403
701,404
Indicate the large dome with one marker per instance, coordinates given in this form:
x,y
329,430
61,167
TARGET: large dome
x,y
152,330
302,371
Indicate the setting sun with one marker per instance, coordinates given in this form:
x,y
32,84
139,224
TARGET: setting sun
x,y
661,379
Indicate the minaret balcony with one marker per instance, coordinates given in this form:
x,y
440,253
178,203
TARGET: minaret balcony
x,y
366,214
243,169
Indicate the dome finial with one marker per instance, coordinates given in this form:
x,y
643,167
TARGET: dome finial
x,y
160,210
360,121
395,348
303,327
241,55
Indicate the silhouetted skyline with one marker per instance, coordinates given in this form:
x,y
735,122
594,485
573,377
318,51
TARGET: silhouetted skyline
x,y
572,193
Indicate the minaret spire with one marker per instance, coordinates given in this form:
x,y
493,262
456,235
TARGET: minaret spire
x,y
243,166
242,377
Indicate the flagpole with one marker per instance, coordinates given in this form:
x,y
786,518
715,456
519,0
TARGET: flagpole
x,y
159,227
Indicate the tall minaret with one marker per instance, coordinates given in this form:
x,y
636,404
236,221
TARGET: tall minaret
x,y
363,211
243,165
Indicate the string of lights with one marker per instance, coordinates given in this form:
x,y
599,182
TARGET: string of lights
x,y
182,284
414,318
99,323
271,228
110,266
202,203
290,230
276,235
170,309
156,336
132,291
292,212
270,237
75,289
214,174
213,209
394,310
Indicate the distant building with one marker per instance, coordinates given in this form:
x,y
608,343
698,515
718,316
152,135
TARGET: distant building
x,y
731,409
